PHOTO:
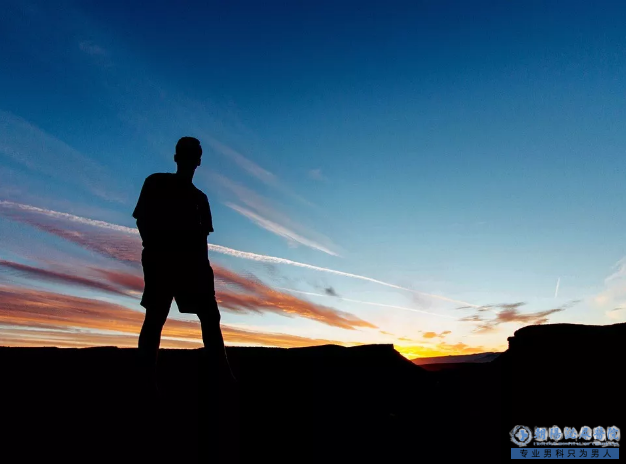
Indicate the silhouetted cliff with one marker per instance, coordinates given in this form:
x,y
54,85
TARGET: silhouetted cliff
x,y
565,375
457,359
319,404
329,402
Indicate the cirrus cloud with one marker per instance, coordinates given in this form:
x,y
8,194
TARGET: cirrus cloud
x,y
61,320
253,295
123,243
509,313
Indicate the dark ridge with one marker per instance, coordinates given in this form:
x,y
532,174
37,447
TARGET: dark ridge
x,y
327,403
457,359
563,374
336,403
557,332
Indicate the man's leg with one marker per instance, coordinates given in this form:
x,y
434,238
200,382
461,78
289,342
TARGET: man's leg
x,y
156,299
205,305
213,340
150,340
149,399
219,405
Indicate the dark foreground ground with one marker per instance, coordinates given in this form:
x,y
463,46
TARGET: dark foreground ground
x,y
320,404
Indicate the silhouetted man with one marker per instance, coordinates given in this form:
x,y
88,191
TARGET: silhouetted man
x,y
174,220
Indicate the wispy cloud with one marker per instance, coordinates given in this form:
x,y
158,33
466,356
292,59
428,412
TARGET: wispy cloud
x,y
509,312
38,151
10,205
279,230
619,272
253,169
251,296
244,163
98,54
118,242
49,275
371,303
616,313
316,174
261,211
93,49
276,260
556,290
612,298
330,291
131,281
62,316
28,337
128,248
260,297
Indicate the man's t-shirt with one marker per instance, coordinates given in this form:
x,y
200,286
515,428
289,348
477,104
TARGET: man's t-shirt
x,y
173,215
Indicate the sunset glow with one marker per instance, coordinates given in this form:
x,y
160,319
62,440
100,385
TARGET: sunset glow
x,y
376,176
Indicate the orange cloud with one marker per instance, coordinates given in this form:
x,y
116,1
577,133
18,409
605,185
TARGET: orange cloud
x,y
130,281
21,337
48,317
59,277
127,248
435,334
259,298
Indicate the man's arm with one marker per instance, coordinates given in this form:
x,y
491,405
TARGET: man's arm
x,y
144,209
205,216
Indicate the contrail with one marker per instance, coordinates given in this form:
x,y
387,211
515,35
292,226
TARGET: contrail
x,y
278,229
367,302
69,217
275,260
556,291
226,251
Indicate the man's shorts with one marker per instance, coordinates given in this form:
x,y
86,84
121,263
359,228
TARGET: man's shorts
x,y
187,279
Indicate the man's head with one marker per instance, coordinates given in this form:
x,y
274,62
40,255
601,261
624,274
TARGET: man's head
x,y
188,153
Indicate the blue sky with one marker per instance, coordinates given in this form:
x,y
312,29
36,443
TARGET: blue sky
x,y
472,151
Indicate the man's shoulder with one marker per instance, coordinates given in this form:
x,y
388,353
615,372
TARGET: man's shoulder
x,y
200,193
159,178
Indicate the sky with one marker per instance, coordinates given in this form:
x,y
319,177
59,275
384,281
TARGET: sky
x,y
432,174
